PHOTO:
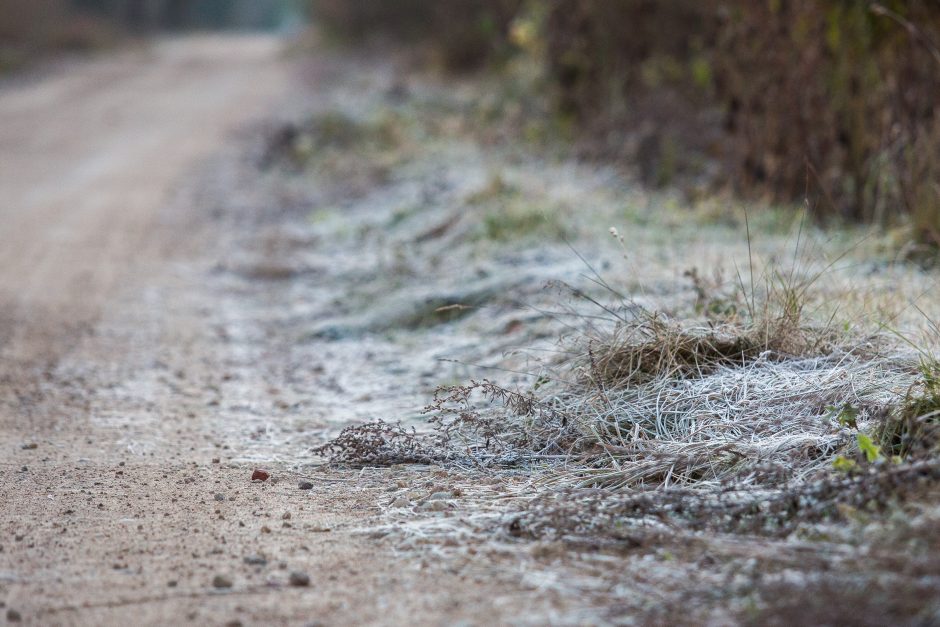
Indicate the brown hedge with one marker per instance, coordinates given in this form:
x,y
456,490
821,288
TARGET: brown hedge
x,y
839,96
467,34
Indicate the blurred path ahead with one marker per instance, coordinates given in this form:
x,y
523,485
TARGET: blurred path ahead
x,y
89,155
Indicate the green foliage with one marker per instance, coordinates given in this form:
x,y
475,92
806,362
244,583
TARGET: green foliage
x,y
868,449
515,221
844,464
871,450
846,416
511,213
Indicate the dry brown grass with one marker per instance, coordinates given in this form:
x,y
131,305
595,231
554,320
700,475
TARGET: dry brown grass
x,y
756,396
379,444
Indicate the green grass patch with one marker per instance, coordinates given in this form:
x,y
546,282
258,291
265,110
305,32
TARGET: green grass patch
x,y
511,213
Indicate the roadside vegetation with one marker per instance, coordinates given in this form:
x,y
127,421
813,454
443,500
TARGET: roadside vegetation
x,y
770,422
832,101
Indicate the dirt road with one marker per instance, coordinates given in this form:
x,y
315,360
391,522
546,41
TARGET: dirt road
x,y
215,255
141,381
89,157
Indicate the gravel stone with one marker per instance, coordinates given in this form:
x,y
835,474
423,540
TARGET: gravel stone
x,y
221,581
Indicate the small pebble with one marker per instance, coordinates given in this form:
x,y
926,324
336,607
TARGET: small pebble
x,y
29,446
299,579
286,516
260,475
221,581
305,485
219,497
13,616
255,560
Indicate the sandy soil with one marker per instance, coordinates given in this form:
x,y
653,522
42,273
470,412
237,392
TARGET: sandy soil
x,y
130,417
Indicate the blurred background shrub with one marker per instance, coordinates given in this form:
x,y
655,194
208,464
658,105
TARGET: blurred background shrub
x,y
835,96
463,34
835,100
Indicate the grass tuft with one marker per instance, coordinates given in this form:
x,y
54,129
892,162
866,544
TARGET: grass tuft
x,y
912,430
511,213
298,144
